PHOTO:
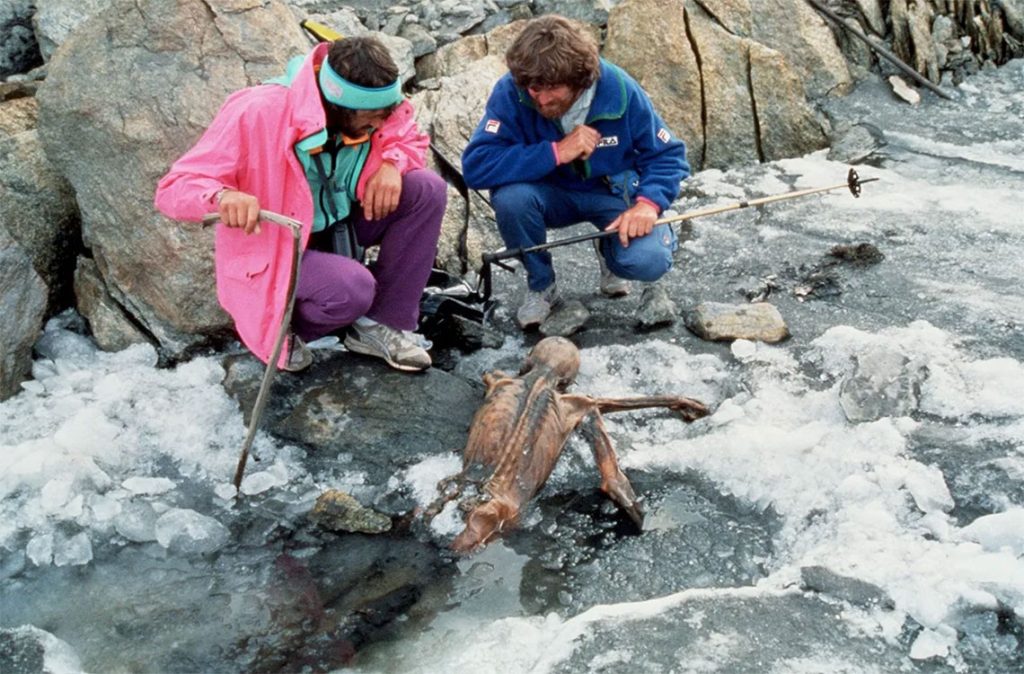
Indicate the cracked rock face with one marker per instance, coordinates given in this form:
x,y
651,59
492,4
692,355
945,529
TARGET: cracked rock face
x,y
125,96
661,57
733,93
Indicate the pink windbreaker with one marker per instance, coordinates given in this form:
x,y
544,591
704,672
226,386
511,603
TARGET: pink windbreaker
x,y
249,147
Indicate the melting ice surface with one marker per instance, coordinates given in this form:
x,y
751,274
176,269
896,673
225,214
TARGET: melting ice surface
x,y
104,456
107,442
851,496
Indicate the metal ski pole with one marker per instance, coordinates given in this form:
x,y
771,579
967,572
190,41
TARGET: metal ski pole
x,y
853,183
268,375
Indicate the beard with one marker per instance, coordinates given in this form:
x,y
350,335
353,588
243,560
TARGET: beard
x,y
557,106
343,120
553,111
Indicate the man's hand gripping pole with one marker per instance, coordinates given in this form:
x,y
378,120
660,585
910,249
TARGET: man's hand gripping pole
x,y
268,375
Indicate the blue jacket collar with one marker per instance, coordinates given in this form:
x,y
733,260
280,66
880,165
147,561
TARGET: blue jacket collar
x,y
610,97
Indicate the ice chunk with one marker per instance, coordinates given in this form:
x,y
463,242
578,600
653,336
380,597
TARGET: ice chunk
x,y
449,521
424,476
87,473
103,507
743,349
25,463
136,522
182,530
257,483
728,411
55,494
75,508
43,369
933,643
998,531
884,384
137,354
225,491
148,485
329,342
40,549
59,657
33,387
56,344
927,485
89,432
674,512
73,551
937,524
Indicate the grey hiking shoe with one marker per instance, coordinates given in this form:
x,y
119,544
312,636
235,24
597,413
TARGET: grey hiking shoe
x,y
396,347
299,355
611,285
536,306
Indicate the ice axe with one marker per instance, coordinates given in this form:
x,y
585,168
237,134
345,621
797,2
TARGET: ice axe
x,y
320,32
853,183
268,375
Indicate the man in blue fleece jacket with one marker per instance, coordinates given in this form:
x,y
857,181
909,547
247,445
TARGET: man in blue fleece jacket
x,y
568,137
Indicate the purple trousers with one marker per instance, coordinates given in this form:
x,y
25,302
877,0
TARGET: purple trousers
x,y
334,290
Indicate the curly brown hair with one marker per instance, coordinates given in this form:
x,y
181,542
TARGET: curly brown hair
x,y
362,60
552,51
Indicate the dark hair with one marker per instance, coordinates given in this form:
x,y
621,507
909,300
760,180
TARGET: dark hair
x,y
551,51
362,60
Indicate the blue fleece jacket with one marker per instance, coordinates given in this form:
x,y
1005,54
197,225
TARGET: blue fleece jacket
x,y
637,155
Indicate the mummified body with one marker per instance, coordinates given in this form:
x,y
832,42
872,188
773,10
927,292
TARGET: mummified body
x,y
518,434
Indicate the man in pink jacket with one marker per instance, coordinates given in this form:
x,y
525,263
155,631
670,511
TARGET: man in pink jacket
x,y
332,144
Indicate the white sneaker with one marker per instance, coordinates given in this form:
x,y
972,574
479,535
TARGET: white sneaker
x,y
611,285
536,307
394,346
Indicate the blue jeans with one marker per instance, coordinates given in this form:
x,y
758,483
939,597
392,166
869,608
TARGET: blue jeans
x,y
525,211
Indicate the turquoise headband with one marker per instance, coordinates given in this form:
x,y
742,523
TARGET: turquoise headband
x,y
339,91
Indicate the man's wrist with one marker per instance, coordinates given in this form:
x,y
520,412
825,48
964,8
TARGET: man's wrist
x,y
554,149
648,202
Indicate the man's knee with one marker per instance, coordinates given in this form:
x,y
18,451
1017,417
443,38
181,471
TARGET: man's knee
x,y
424,197
646,259
514,198
425,181
348,297
426,187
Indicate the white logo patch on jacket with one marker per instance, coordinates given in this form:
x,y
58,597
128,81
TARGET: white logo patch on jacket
x,y
492,126
663,135
608,141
